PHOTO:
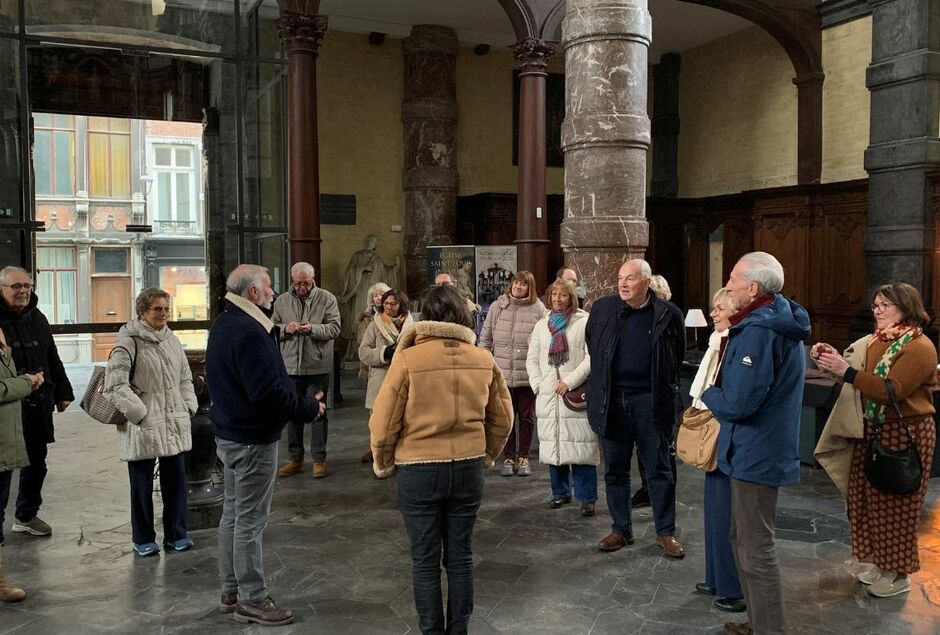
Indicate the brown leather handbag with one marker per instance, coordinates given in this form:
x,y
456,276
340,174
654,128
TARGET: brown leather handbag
x,y
575,399
697,441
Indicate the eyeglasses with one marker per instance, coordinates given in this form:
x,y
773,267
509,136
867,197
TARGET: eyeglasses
x,y
160,309
303,284
882,306
19,286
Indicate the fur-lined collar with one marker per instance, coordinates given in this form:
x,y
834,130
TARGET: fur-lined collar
x,y
428,329
251,309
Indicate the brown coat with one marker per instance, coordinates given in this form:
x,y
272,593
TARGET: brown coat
x,y
506,332
913,375
442,400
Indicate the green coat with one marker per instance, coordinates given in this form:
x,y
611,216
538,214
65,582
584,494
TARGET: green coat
x,y
12,389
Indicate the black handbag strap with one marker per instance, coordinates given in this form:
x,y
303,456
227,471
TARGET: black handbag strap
x,y
893,400
130,377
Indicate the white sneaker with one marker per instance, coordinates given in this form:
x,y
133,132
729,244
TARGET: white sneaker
x,y
508,468
888,586
870,577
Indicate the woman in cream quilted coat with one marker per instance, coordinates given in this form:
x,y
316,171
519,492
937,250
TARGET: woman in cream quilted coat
x,y
157,401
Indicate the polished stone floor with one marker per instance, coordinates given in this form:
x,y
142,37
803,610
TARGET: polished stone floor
x,y
337,554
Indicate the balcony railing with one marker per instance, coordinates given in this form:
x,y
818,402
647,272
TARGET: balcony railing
x,y
176,227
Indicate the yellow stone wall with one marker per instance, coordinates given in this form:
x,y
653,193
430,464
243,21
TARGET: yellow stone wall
x,y
737,125
846,54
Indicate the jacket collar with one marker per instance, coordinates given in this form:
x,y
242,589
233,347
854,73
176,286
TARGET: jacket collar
x,y
8,313
251,309
426,329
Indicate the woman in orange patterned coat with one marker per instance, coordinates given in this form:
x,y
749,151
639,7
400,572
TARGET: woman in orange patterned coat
x,y
883,525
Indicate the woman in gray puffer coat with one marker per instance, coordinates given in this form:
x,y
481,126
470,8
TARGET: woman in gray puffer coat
x,y
506,331
157,398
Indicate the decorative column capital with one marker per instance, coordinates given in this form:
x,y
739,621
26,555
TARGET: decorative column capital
x,y
301,32
532,55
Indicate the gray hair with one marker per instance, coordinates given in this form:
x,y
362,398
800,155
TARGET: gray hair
x,y
244,277
764,270
303,267
146,298
645,270
13,269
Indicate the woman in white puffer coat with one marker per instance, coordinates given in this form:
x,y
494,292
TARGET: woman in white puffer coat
x,y
558,361
157,401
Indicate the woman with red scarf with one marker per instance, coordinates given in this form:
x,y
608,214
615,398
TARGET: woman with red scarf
x,y
883,525
557,361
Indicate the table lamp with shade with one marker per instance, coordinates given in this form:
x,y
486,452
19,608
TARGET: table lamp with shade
x,y
694,319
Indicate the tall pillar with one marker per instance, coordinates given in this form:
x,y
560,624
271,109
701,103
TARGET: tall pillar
x,y
531,213
809,98
302,31
664,162
605,137
429,121
904,80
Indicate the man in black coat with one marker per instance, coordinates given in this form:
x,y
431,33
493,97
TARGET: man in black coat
x,y
30,339
637,343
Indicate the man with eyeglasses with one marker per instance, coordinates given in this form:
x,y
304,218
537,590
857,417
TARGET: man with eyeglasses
x,y
310,320
34,351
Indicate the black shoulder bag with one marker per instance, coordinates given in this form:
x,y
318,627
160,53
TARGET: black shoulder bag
x,y
893,471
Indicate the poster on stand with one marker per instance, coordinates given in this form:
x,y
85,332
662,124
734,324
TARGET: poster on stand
x,y
495,265
457,260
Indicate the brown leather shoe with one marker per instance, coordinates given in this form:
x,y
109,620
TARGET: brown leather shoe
x,y
367,457
290,468
319,470
671,547
615,541
738,628
227,602
264,612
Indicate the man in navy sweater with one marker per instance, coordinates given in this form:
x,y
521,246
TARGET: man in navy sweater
x,y
252,399
637,343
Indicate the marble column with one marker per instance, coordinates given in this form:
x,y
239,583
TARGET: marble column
x,y
664,162
302,33
531,212
429,122
605,137
904,80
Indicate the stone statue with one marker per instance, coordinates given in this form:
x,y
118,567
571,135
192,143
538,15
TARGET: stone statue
x,y
365,268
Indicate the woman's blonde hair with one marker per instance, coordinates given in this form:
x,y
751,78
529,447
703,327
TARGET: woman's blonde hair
x,y
660,287
529,279
378,286
723,296
562,285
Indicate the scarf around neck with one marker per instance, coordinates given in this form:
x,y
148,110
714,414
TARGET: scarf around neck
x,y
755,304
899,336
557,325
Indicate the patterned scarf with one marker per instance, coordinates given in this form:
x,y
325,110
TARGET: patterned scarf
x,y
557,323
899,335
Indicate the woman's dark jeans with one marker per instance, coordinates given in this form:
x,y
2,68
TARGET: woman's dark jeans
x,y
439,504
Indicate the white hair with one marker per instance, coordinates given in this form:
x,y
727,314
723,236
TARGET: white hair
x,y
13,269
764,270
303,267
244,277
645,270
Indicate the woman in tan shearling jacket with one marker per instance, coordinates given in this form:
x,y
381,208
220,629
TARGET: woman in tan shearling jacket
x,y
157,401
441,417
506,332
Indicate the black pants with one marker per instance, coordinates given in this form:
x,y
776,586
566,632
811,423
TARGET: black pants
x,y
309,385
32,476
173,489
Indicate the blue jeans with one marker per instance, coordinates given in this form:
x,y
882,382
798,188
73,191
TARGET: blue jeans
x,y
6,478
632,423
439,504
721,573
250,472
172,490
584,477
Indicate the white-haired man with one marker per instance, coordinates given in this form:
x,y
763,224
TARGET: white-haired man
x,y
757,398
636,342
252,398
310,320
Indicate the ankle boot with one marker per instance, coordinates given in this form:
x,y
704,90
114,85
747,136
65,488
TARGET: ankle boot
x,y
8,592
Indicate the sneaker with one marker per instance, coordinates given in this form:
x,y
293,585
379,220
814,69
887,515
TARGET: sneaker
x,y
508,468
523,468
34,527
264,612
227,602
870,577
291,467
319,470
889,586
146,549
183,544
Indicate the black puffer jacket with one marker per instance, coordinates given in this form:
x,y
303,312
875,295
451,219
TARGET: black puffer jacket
x,y
602,336
30,339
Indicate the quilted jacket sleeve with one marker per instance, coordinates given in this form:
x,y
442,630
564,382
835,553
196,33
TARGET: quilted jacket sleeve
x,y
117,382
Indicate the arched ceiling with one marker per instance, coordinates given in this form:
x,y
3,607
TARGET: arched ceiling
x,y
677,26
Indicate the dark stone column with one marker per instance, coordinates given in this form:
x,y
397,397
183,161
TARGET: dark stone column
x,y
429,122
605,136
904,80
302,33
665,127
531,211
809,95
